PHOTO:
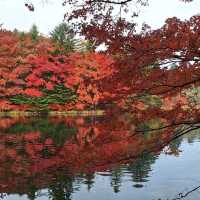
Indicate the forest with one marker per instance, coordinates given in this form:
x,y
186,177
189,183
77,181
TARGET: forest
x,y
154,75
97,101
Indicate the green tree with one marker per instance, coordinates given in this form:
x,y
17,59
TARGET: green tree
x,y
63,35
34,33
85,46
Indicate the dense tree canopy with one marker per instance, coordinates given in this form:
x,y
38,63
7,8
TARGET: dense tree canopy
x,y
152,64
151,80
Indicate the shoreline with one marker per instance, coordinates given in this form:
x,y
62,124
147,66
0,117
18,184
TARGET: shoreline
x,y
52,113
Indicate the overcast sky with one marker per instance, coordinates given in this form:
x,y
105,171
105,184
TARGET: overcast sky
x,y
13,13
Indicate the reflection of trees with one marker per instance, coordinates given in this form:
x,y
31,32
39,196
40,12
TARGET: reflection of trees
x,y
116,181
31,195
174,145
194,135
36,152
141,167
138,169
58,132
32,189
2,195
62,188
89,180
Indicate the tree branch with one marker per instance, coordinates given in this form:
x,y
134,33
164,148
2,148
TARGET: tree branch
x,y
111,2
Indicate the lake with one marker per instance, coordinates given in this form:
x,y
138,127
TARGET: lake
x,y
101,158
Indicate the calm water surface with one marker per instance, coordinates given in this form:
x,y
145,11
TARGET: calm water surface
x,y
95,158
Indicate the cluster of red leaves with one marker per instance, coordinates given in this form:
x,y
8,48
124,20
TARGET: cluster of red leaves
x,y
27,67
13,64
140,64
79,72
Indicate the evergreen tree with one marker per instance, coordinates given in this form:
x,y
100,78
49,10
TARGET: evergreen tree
x,y
34,33
63,35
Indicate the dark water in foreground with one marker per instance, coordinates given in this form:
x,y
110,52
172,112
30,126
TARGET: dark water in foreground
x,y
101,159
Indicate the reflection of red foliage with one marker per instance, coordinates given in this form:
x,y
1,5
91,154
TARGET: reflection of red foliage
x,y
97,146
31,136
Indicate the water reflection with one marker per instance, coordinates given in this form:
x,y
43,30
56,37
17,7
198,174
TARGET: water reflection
x,y
52,158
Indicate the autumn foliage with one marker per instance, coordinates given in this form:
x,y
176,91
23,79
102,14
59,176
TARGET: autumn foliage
x,y
147,71
35,75
148,83
72,146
